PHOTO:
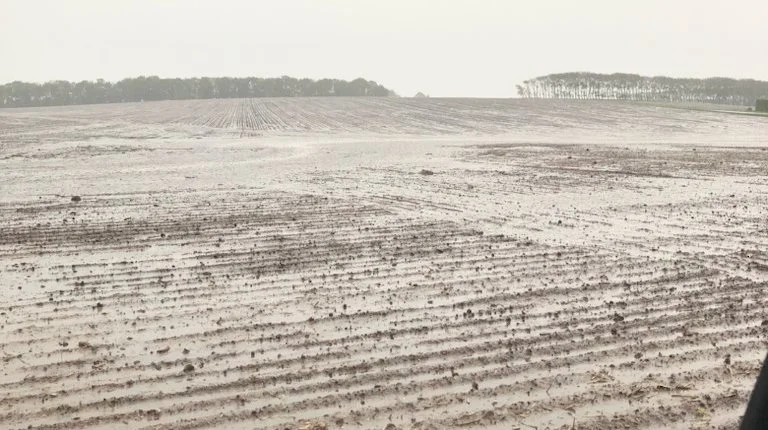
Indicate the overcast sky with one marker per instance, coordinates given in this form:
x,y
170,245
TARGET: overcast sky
x,y
441,47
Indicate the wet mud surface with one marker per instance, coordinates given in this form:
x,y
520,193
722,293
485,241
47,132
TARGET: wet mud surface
x,y
380,264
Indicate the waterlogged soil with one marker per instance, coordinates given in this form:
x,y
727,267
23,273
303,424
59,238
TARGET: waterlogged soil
x,y
380,264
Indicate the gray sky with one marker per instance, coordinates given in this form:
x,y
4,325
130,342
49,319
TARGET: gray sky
x,y
441,47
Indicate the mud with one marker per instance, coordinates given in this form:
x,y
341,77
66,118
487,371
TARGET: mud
x,y
396,263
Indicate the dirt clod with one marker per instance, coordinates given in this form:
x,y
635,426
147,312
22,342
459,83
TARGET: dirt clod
x,y
313,425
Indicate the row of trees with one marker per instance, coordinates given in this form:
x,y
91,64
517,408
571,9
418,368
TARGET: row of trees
x,y
144,88
621,86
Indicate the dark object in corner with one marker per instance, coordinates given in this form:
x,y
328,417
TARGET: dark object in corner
x,y
761,105
756,416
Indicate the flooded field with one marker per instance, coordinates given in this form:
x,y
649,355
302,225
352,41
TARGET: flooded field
x,y
381,264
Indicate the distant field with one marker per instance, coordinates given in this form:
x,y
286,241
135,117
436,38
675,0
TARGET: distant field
x,y
749,113
354,263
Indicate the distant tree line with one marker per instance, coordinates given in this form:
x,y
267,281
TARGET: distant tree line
x,y
621,86
145,88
